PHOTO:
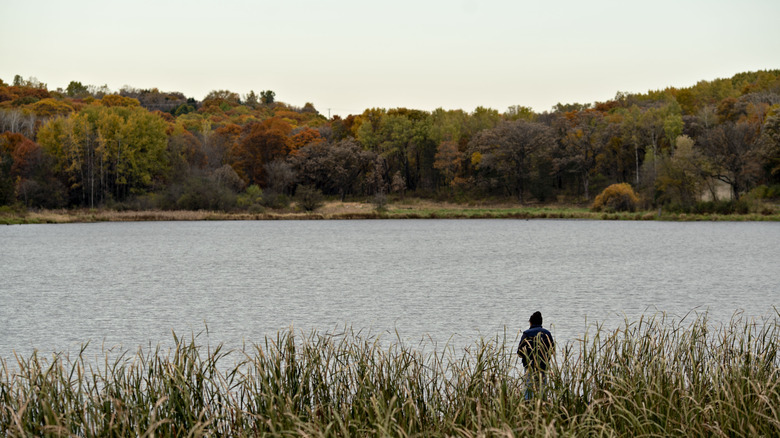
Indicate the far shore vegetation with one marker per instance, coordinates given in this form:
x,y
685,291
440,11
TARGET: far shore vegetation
x,y
709,151
653,376
408,208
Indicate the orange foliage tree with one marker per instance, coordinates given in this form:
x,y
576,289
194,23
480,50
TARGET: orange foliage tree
x,y
24,173
19,153
305,137
19,95
262,143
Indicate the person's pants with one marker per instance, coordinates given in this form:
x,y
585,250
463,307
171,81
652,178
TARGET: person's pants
x,y
534,383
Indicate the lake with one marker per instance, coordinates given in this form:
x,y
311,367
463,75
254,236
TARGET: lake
x,y
131,284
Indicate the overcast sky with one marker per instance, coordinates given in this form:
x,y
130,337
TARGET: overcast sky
x,y
347,56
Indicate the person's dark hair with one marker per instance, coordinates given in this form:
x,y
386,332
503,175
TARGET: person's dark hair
x,y
536,318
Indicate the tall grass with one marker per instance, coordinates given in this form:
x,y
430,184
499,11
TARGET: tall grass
x,y
650,377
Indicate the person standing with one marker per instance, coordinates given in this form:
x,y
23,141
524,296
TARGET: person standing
x,y
535,348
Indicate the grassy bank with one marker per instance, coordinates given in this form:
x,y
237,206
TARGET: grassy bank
x,y
406,209
651,377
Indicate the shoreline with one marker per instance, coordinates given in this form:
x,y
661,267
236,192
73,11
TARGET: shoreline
x,y
413,209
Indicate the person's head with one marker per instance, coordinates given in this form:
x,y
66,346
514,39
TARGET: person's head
x,y
536,318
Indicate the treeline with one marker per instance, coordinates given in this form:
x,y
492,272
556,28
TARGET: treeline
x,y
86,146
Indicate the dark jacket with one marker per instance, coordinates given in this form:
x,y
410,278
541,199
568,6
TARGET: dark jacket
x,y
535,348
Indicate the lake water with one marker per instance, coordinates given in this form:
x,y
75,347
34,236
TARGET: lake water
x,y
130,284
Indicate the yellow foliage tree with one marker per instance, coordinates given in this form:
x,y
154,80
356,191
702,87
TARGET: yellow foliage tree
x,y
50,108
111,100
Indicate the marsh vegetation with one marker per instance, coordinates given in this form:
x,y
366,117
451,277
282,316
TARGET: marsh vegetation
x,y
649,377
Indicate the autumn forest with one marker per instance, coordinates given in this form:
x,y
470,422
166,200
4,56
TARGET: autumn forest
x,y
88,146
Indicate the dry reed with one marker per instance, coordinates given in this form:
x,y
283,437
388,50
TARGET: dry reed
x,y
651,377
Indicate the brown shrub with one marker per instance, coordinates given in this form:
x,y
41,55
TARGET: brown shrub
x,y
617,197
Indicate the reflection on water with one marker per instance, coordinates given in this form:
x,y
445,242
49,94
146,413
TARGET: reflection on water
x,y
130,284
